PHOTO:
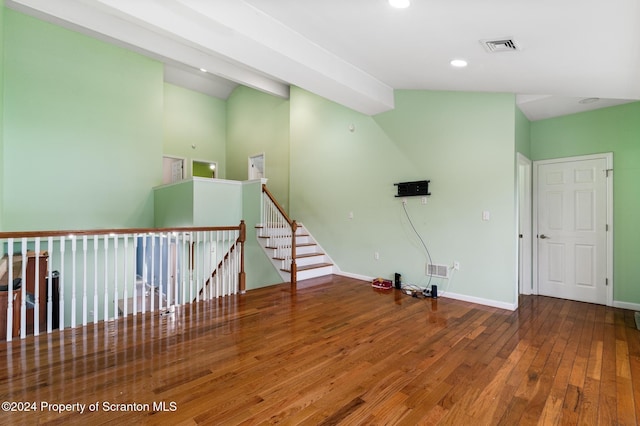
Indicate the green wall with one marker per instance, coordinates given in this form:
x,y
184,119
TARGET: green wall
x,y
191,118
173,205
217,203
259,123
83,130
617,130
344,162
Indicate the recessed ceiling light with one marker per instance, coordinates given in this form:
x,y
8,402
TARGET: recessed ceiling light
x,y
203,70
458,63
400,4
588,100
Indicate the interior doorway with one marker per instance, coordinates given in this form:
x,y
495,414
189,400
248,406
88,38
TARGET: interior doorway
x,y
573,252
256,167
172,169
204,169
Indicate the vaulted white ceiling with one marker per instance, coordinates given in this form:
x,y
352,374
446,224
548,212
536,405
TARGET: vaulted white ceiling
x,y
356,52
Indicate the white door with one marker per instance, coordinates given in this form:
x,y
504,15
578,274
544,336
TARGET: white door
x,y
256,167
172,169
572,244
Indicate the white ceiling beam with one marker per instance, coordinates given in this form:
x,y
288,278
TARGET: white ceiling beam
x,y
235,30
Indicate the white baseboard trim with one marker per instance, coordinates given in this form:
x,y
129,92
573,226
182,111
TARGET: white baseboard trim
x,y
627,305
464,298
350,275
481,301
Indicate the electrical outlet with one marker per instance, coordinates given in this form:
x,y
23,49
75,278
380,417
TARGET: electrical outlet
x,y
456,265
404,201
376,256
350,215
424,200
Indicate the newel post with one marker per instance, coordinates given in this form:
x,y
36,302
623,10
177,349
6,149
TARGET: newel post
x,y
294,267
242,278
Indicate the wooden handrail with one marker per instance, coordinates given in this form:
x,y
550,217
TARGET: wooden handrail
x,y
119,231
278,206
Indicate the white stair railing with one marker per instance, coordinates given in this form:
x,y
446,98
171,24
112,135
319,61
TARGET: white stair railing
x,y
278,227
50,280
224,280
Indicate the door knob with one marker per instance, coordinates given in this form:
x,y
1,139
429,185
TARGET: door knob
x,y
543,237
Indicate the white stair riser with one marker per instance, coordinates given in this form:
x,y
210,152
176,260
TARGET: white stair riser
x,y
277,241
265,232
303,261
313,273
306,249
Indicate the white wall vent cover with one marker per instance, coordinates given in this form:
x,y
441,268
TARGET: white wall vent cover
x,y
500,45
438,271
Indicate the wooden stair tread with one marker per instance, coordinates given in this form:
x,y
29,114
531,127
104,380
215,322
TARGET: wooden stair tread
x,y
297,245
309,267
301,256
282,236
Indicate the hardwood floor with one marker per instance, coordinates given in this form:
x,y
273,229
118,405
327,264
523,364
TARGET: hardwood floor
x,y
335,352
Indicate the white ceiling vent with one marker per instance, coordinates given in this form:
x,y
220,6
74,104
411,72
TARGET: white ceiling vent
x,y
500,45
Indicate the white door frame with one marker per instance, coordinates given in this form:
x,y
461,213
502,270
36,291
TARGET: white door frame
x,y
250,165
608,156
524,225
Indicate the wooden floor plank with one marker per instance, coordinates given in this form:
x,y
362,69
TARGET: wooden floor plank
x,y
335,351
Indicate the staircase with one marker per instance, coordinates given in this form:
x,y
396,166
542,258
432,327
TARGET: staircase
x,y
311,260
295,256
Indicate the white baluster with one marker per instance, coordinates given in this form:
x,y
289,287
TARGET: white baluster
x,y
135,278
154,287
125,289
50,286
190,267
175,288
61,283
160,271
144,274
196,266
183,268
23,304
10,295
115,275
84,280
73,281
105,291
96,244
36,290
